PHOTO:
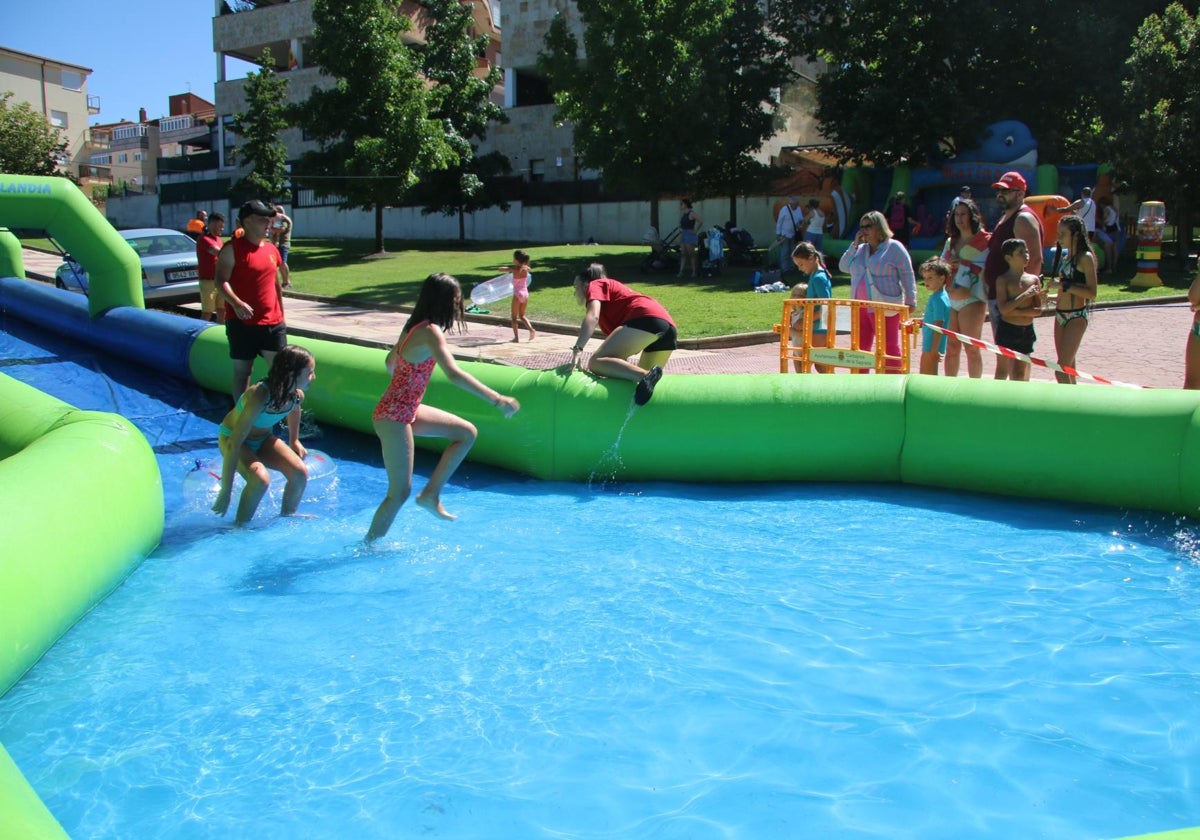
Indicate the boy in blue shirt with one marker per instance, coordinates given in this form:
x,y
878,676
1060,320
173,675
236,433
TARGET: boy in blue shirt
x,y
936,274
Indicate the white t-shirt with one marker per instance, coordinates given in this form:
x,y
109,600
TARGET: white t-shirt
x,y
1088,213
816,223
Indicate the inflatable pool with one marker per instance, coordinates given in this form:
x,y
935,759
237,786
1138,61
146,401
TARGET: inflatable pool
x,y
1136,449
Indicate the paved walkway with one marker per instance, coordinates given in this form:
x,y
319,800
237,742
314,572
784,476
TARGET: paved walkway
x,y
1138,344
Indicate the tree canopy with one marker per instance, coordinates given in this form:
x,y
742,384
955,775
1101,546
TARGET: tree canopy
x,y
667,97
462,101
28,144
262,151
375,126
1154,145
914,80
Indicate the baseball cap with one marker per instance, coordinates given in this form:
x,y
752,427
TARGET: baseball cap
x,y
256,208
1011,181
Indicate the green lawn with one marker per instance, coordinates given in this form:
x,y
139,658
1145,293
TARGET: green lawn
x,y
703,308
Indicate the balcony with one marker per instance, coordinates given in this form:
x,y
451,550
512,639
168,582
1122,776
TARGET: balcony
x,y
93,104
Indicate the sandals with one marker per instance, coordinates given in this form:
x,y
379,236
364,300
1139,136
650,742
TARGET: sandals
x,y
645,388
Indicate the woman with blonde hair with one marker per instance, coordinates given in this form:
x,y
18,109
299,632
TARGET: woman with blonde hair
x,y
880,269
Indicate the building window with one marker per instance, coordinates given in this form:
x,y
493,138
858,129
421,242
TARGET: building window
x,y
72,80
139,155
229,141
123,157
58,119
537,170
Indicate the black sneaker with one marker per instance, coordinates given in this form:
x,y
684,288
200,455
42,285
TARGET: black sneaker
x,y
645,388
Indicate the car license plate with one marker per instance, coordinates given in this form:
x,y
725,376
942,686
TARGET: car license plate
x,y
181,274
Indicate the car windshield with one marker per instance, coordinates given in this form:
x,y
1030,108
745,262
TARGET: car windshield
x,y
162,244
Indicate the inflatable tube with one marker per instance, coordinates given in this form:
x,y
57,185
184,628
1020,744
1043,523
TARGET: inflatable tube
x,y
69,540
155,339
879,428
57,206
22,813
12,261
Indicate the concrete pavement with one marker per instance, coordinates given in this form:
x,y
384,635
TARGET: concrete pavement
x,y
1139,344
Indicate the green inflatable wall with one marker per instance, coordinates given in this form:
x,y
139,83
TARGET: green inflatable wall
x,y
57,206
83,505
1138,449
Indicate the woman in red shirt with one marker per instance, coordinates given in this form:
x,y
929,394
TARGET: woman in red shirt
x,y
631,323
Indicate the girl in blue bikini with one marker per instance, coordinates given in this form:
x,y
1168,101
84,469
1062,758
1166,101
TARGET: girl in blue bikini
x,y
248,444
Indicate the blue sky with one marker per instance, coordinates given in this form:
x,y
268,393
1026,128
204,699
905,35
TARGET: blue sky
x,y
140,51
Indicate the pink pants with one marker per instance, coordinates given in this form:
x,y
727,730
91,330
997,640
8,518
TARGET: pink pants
x,y
891,336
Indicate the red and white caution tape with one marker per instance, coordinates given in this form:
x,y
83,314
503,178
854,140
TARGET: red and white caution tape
x,y
1021,357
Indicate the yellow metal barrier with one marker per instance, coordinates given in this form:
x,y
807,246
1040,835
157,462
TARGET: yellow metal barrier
x,y
797,345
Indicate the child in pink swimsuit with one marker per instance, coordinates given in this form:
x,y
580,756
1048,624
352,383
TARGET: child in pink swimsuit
x,y
520,298
400,415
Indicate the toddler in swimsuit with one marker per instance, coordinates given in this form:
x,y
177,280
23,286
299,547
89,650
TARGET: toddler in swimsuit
x,y
520,299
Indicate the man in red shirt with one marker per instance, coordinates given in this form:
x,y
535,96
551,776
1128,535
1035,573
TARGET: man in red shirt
x,y
208,247
250,277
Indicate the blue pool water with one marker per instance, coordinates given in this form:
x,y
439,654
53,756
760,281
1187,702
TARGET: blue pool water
x,y
614,661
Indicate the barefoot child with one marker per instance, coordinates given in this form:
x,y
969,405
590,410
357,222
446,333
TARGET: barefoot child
x,y
400,415
520,298
1019,299
817,285
248,445
936,274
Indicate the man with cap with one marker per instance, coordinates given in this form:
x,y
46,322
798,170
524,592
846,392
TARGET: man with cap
x,y
1018,221
963,195
787,228
251,275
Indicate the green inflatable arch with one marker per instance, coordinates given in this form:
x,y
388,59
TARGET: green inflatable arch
x,y
58,207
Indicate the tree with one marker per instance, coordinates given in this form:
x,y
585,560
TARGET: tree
x,y
751,63
1154,146
374,126
261,150
923,89
28,144
462,100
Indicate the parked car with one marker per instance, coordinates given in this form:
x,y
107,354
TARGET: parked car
x,y
168,258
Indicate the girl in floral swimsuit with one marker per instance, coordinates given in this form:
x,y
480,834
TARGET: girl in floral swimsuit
x,y
248,445
1077,289
400,415
1191,375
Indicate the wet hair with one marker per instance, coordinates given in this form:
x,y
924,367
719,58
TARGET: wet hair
x,y
880,222
938,266
287,365
520,257
976,218
1079,239
804,250
1011,246
595,271
439,302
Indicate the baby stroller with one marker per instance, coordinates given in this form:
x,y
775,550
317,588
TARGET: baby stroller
x,y
739,246
712,245
664,253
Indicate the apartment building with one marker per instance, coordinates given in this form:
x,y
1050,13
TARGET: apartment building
x,y
283,28
58,91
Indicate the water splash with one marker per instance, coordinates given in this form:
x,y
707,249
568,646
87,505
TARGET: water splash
x,y
604,475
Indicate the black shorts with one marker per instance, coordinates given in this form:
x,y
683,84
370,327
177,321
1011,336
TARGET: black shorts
x,y
1016,337
247,341
668,338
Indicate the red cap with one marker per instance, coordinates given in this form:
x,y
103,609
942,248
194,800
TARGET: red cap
x,y
1011,181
